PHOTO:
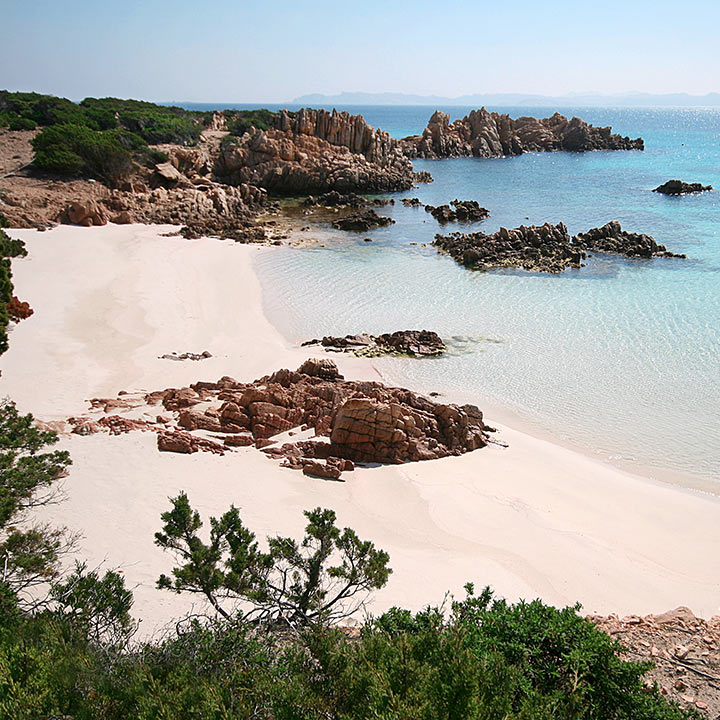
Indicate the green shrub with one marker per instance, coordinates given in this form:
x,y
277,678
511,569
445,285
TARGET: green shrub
x,y
21,123
240,121
76,150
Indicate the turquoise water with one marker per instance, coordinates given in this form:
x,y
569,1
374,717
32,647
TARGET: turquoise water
x,y
621,358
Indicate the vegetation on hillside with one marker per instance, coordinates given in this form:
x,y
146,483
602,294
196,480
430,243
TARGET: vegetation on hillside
x,y
69,653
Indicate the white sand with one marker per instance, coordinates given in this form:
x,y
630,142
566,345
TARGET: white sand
x,y
532,520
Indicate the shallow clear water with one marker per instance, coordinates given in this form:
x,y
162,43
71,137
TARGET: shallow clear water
x,y
621,357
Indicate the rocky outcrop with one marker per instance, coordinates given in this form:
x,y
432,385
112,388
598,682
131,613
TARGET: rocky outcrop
x,y
204,355
86,213
486,134
678,187
353,421
413,343
545,248
683,652
611,238
316,151
461,211
362,221
411,202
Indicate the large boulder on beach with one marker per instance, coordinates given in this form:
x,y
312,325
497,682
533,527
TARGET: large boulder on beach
x,y
87,213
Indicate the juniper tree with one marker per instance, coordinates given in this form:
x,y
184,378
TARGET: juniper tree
x,y
321,579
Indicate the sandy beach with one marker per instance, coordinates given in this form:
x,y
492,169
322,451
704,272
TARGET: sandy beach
x,y
531,520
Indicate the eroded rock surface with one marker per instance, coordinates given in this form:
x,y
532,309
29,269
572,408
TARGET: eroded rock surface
x,y
545,248
486,134
352,421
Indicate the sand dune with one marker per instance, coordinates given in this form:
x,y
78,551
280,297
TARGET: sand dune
x,y
531,520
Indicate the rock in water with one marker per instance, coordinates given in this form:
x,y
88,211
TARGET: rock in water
x,y
464,211
612,238
486,134
362,221
546,248
678,187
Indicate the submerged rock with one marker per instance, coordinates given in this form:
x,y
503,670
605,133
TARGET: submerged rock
x,y
414,343
362,221
678,187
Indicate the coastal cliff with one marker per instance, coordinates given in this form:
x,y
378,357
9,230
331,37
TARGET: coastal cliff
x,y
490,134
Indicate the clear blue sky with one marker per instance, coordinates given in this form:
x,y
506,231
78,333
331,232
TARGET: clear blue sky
x,y
273,51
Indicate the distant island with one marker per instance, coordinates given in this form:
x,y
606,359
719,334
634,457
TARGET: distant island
x,y
632,99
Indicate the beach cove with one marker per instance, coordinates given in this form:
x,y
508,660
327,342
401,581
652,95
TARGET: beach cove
x,y
533,520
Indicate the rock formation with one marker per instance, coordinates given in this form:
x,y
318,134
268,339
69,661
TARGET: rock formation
x,y
352,421
352,200
461,211
545,248
486,134
612,238
316,151
362,221
414,343
678,187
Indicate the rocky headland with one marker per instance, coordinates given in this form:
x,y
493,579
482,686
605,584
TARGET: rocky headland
x,y
348,421
545,248
411,343
678,187
489,134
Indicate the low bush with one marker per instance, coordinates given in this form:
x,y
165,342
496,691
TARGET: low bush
x,y
21,123
79,150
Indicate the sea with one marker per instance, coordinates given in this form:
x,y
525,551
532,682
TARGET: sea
x,y
619,359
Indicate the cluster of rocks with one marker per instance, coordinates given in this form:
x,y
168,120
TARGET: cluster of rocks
x,y
413,343
545,248
316,151
204,355
350,200
362,221
351,421
684,651
611,238
486,134
411,202
461,211
678,187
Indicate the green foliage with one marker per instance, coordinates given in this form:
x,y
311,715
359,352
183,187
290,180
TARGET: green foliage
x,y
76,149
9,248
21,123
240,121
28,479
293,583
154,123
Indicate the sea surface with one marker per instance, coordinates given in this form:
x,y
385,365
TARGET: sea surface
x,y
620,358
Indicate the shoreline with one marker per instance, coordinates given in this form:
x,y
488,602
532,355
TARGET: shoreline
x,y
533,520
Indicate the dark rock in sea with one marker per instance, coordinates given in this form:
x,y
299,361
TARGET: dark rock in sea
x,y
353,200
414,343
545,248
362,221
611,238
678,187
464,211
485,134
411,202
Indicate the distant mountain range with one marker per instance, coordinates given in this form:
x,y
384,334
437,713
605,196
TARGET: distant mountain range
x,y
636,99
